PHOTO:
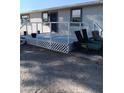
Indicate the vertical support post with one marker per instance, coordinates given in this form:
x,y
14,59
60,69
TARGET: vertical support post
x,y
68,32
26,27
31,28
50,36
68,49
36,27
36,42
42,26
80,26
26,30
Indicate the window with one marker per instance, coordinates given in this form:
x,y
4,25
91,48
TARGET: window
x,y
76,15
25,18
45,17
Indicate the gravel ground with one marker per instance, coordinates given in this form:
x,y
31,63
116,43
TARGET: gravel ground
x,y
45,71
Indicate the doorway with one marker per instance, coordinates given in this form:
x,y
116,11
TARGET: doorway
x,y
54,18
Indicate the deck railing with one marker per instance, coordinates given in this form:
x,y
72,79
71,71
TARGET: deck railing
x,y
68,23
69,26
98,27
58,41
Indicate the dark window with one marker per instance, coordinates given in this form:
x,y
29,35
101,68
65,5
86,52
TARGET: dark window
x,y
45,17
25,18
76,15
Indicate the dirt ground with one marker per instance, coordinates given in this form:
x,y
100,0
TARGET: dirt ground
x,y
45,71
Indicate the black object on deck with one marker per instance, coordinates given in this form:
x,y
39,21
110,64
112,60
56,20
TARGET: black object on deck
x,y
25,33
85,36
33,35
38,31
96,36
79,36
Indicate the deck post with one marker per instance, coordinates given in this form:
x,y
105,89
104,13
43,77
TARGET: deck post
x,y
31,28
50,35
42,26
36,27
26,27
80,25
68,31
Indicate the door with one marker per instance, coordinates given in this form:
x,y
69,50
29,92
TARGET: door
x,y
54,18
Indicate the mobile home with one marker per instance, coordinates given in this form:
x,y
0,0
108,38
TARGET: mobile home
x,y
63,21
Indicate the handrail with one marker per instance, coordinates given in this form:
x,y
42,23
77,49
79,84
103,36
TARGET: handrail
x,y
50,23
80,23
99,27
68,23
25,24
57,22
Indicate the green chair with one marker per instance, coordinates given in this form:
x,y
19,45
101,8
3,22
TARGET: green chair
x,y
91,43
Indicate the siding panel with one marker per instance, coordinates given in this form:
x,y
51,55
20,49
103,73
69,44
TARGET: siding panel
x,y
93,14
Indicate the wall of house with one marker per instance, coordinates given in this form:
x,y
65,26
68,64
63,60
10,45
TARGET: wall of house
x,y
63,16
36,17
90,14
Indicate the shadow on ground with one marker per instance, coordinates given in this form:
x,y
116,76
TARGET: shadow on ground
x,y
45,71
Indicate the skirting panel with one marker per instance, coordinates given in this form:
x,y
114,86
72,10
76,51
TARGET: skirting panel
x,y
52,45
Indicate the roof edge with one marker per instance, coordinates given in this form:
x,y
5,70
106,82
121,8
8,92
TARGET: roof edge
x,y
64,7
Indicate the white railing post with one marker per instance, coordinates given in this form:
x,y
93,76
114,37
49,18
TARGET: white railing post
x,y
42,26
31,28
50,35
26,27
36,27
68,31
80,26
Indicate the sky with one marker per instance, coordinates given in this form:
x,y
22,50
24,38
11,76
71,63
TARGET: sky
x,y
27,5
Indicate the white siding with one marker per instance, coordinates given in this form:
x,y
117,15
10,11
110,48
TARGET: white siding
x,y
90,14
24,29
35,17
93,14
63,16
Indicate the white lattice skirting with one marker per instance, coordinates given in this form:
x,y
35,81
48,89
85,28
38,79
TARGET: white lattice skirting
x,y
52,45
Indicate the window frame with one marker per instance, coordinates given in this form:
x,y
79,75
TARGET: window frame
x,y
79,18
24,18
47,19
